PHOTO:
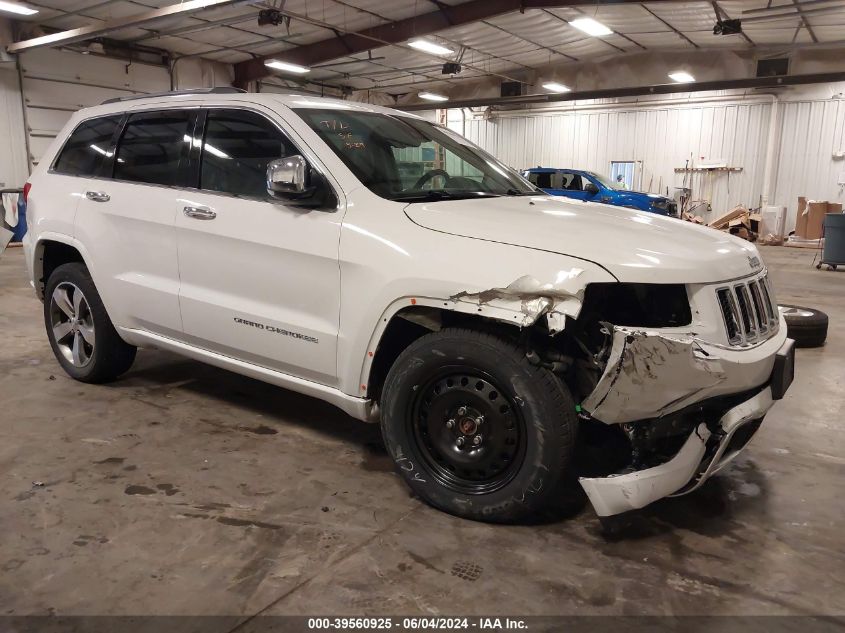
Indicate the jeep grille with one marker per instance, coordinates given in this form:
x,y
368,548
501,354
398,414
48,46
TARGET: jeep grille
x,y
749,312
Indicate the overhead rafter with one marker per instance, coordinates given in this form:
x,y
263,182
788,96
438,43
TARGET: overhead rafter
x,y
81,34
804,21
444,17
674,29
659,89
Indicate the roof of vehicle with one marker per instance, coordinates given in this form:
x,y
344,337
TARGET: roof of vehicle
x,y
551,170
196,97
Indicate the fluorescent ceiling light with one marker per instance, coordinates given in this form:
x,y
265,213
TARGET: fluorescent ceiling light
x,y
681,77
291,68
430,47
13,7
432,96
553,86
591,27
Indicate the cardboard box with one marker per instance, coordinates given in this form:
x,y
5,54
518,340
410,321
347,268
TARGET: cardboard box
x,y
800,218
815,219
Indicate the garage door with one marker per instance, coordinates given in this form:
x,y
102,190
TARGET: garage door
x,y
57,83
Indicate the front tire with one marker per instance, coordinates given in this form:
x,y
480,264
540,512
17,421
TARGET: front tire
x,y
475,429
81,334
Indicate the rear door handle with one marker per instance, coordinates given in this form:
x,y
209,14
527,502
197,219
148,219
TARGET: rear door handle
x,y
98,196
200,213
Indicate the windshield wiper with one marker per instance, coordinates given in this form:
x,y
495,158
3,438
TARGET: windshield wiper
x,y
436,195
517,192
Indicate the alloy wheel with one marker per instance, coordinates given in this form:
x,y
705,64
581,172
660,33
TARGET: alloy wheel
x,y
72,324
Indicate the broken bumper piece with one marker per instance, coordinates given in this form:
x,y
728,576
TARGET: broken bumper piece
x,y
703,454
650,374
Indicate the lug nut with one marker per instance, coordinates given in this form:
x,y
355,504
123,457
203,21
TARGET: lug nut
x,y
450,424
479,420
476,440
462,411
459,442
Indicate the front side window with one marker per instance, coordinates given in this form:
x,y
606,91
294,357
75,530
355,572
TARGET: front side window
x,y
84,151
570,181
235,152
154,148
408,159
545,179
607,183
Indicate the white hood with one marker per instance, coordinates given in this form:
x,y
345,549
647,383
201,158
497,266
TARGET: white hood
x,y
634,246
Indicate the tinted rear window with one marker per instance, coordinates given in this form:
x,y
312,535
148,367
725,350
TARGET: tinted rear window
x,y
154,148
84,151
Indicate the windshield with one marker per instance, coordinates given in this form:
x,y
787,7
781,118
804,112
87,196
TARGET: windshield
x,y
402,158
607,182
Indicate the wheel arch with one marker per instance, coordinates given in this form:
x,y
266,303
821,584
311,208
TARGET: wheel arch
x,y
50,252
411,318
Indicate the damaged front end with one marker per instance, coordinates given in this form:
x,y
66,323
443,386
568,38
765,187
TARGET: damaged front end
x,y
685,408
666,397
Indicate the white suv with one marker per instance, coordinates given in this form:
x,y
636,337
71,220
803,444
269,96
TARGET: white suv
x,y
385,264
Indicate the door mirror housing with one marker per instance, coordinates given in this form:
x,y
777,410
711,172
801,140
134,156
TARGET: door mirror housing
x,y
591,189
292,180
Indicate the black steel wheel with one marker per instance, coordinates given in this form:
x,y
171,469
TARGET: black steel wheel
x,y
475,429
471,435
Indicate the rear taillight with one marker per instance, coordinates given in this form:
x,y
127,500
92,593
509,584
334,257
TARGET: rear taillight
x,y
26,189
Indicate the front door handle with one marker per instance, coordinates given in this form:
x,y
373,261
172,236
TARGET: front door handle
x,y
200,213
98,196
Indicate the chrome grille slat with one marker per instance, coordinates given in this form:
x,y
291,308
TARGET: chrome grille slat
x,y
746,312
749,310
759,308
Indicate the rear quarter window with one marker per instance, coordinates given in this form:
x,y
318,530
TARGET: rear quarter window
x,y
87,146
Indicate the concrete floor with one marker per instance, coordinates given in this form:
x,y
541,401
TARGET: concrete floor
x,y
184,489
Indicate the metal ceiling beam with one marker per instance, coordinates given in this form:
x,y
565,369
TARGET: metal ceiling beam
x,y
341,32
659,89
804,21
63,38
442,18
675,30
769,9
793,13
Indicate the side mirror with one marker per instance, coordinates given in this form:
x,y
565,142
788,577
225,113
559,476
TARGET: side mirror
x,y
286,177
293,181
591,189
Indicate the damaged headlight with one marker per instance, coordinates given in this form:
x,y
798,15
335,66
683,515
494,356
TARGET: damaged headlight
x,y
638,305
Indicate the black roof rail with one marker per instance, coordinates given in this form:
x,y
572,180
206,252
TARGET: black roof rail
x,y
222,90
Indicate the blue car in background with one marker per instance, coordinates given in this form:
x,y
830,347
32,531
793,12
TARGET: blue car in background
x,y
589,186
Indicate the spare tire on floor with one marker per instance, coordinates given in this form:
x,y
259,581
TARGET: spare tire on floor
x,y
806,326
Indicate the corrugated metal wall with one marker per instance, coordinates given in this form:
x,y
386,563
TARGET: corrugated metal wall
x,y
662,138
812,131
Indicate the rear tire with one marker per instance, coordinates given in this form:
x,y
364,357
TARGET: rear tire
x,y
806,326
81,334
475,429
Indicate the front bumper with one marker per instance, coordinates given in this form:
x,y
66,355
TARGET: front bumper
x,y
706,450
650,374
